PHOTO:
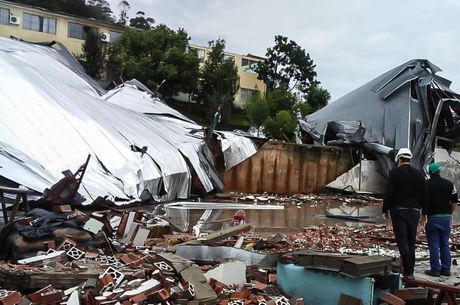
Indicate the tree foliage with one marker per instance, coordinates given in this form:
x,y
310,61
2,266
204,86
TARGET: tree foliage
x,y
282,126
141,22
159,58
292,88
124,7
287,67
97,9
219,80
257,110
93,57
317,97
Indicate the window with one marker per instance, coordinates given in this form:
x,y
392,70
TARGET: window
x,y
39,23
78,31
201,54
4,16
114,36
246,94
248,65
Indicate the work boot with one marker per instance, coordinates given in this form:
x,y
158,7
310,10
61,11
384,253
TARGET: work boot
x,y
445,272
432,273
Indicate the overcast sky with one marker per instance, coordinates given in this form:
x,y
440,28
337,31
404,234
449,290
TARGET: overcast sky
x,y
351,42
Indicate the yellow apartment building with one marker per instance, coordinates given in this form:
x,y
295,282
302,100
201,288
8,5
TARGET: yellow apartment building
x,y
249,84
36,24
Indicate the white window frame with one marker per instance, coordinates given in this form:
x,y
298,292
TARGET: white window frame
x,y
39,23
247,93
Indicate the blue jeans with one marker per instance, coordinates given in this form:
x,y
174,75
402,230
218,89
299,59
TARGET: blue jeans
x,y
437,234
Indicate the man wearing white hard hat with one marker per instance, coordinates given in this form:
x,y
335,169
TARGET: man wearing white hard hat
x,y
405,199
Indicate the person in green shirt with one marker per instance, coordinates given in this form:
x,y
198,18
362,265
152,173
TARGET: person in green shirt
x,y
442,200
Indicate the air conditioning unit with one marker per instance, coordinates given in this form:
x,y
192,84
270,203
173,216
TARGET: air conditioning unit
x,y
105,37
15,20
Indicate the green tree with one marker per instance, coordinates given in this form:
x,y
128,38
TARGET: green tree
x,y
278,100
287,67
160,58
141,22
97,9
292,88
100,10
282,126
257,111
93,57
219,81
317,97
124,7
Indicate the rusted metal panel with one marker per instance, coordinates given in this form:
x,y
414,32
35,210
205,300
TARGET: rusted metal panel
x,y
285,168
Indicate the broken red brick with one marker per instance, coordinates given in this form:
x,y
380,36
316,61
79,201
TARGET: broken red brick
x,y
50,244
36,296
272,278
259,285
242,295
391,299
51,297
12,298
104,282
138,298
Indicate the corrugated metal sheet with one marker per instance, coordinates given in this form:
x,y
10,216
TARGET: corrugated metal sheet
x,y
53,118
284,168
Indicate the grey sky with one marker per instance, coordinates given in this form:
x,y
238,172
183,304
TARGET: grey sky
x,y
350,41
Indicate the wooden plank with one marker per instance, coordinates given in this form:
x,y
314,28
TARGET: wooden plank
x,y
349,300
392,299
224,234
434,285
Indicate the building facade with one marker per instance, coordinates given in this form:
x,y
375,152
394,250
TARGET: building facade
x,y
38,25
249,84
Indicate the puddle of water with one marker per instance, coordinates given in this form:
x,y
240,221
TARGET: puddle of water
x,y
293,218
296,219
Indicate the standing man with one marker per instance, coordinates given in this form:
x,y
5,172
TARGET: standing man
x,y
441,204
405,198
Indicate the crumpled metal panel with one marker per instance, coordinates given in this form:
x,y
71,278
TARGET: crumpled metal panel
x,y
387,110
235,148
131,97
214,254
53,117
173,126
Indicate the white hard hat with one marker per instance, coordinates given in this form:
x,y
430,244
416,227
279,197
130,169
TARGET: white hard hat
x,y
403,153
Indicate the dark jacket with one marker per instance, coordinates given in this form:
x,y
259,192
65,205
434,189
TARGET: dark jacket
x,y
441,195
406,188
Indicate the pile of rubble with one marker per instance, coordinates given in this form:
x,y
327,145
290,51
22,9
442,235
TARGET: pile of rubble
x,y
118,258
299,200
131,278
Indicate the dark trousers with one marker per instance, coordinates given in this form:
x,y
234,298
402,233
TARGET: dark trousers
x,y
405,222
437,234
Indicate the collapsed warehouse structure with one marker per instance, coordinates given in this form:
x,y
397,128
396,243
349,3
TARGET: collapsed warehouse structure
x,y
54,116
408,106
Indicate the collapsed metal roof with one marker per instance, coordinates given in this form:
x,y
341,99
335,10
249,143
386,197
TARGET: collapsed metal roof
x,y
53,117
408,106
